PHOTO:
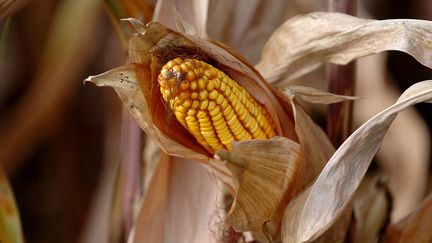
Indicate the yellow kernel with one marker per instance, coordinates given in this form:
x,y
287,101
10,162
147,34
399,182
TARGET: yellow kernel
x,y
184,85
210,85
195,104
191,112
190,75
184,67
193,85
201,84
203,94
213,95
187,103
184,95
204,104
176,68
215,111
211,105
178,60
194,95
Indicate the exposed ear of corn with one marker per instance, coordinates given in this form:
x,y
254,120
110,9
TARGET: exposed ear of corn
x,y
211,106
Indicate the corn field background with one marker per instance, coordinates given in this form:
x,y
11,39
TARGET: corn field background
x,y
77,167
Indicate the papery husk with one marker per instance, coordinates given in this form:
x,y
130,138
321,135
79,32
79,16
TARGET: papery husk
x,y
371,210
345,170
265,171
416,227
305,42
10,225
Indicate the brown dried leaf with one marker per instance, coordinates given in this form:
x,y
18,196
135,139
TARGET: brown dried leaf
x,y
305,42
345,170
414,228
10,225
312,95
259,166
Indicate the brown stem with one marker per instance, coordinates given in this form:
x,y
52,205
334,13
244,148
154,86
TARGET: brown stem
x,y
341,81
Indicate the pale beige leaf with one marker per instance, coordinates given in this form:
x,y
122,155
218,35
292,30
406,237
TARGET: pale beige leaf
x,y
345,170
305,42
259,166
313,95
126,83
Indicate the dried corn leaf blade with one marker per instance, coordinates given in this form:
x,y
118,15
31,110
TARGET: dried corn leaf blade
x,y
305,42
9,7
258,166
414,228
312,95
10,225
345,170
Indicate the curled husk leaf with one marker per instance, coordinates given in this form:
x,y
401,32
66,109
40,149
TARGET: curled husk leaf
x,y
149,50
269,166
136,84
9,7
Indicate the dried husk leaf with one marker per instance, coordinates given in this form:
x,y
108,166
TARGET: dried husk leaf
x,y
414,228
312,95
371,208
345,170
305,42
125,81
259,166
137,85
10,225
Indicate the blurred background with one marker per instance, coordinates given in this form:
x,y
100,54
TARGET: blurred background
x,y
60,139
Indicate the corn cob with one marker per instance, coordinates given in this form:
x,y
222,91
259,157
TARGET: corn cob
x,y
215,109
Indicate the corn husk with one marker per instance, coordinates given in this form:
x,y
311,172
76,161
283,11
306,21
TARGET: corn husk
x,y
135,84
259,166
314,211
